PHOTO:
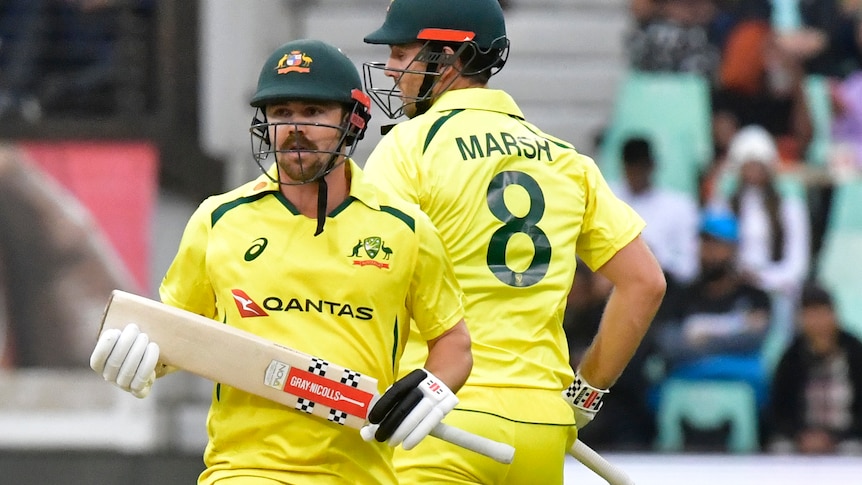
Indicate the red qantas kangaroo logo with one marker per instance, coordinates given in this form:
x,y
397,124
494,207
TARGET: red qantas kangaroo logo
x,y
246,306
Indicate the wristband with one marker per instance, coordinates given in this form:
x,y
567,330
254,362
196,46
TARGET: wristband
x,y
581,394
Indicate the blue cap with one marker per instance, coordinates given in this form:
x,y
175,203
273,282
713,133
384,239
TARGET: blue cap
x,y
720,225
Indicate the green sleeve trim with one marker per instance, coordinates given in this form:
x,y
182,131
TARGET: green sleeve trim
x,y
227,206
411,223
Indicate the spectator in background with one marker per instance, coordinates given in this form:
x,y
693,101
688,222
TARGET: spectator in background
x,y
73,56
759,83
672,36
846,157
715,327
826,40
23,24
774,228
816,395
671,217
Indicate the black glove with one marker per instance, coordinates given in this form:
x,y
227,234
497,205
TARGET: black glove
x,y
408,411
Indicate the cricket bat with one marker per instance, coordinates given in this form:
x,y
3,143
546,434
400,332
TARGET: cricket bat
x,y
267,369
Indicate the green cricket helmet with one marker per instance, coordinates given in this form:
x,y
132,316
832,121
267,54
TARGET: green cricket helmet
x,y
479,21
475,29
309,70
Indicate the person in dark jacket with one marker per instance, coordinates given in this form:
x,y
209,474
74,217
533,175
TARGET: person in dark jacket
x,y
816,396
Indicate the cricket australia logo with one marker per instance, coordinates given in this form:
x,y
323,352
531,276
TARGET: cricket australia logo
x,y
294,61
372,247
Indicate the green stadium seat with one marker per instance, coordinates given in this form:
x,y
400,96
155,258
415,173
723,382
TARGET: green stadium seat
x,y
820,107
785,15
707,405
840,260
673,111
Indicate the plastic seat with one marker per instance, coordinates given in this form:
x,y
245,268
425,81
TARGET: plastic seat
x,y
820,107
707,405
673,111
840,260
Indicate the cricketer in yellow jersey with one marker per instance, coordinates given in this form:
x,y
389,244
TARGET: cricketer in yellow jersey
x,y
515,206
313,256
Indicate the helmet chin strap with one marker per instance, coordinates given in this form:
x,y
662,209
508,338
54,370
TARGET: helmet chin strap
x,y
322,195
427,83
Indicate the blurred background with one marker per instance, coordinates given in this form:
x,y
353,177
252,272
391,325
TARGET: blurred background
x,y
117,117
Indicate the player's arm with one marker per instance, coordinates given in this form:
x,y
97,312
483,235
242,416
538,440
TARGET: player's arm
x,y
449,356
639,287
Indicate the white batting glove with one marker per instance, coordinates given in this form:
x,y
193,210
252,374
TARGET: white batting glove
x,y
126,359
408,411
584,399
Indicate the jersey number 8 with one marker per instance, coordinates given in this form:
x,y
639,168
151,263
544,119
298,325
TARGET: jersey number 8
x,y
512,225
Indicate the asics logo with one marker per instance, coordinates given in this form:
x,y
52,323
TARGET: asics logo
x,y
256,249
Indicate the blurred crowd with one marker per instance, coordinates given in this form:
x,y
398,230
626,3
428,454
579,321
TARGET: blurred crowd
x,y
745,301
69,57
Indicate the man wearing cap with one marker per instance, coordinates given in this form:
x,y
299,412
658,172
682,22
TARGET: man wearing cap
x,y
717,326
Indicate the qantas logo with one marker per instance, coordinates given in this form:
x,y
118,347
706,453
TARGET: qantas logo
x,y
246,306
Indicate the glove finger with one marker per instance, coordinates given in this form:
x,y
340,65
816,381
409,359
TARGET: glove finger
x,y
392,420
146,373
103,349
132,361
367,431
395,394
145,390
121,350
432,419
416,416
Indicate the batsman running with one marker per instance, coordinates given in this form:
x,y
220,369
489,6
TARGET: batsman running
x,y
514,206
278,257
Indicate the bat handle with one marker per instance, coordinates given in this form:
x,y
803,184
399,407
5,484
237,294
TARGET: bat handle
x,y
500,452
595,462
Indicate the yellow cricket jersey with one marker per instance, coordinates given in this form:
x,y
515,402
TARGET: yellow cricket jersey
x,y
514,206
249,259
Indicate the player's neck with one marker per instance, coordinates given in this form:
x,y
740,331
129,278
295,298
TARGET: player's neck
x,y
304,197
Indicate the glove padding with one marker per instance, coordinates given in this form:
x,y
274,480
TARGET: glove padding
x,y
584,399
408,411
126,359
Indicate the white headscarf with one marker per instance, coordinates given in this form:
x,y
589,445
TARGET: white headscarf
x,y
752,144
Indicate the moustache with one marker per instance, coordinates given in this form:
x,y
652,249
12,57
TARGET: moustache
x,y
297,143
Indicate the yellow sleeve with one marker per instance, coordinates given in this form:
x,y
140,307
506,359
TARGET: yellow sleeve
x,y
391,167
186,284
609,223
435,299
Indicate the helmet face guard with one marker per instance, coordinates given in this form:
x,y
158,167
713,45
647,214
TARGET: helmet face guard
x,y
387,95
351,129
474,29
391,100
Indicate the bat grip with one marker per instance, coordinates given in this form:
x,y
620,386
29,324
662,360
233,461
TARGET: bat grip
x,y
601,467
495,450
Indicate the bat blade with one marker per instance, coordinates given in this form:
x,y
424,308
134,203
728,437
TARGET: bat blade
x,y
251,363
231,356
